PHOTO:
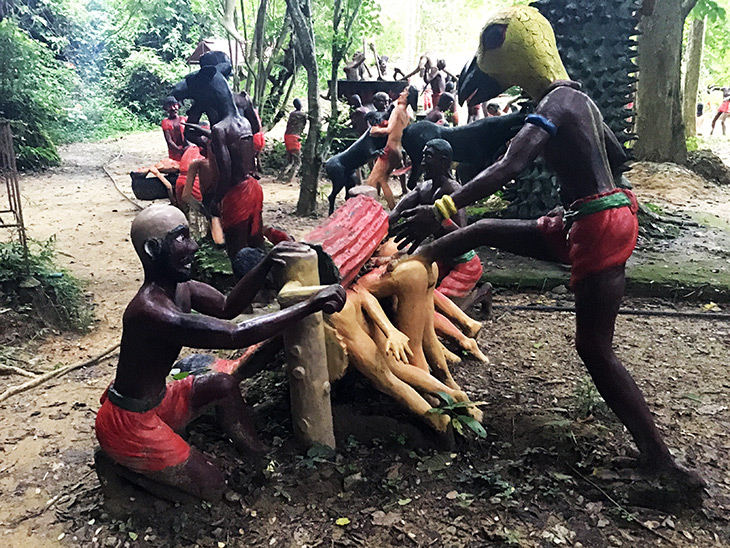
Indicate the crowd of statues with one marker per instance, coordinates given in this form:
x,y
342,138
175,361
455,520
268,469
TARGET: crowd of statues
x,y
391,310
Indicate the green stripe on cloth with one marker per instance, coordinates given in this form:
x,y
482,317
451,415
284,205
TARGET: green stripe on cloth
x,y
612,201
465,258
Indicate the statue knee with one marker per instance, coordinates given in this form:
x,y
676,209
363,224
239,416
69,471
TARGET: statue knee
x,y
592,350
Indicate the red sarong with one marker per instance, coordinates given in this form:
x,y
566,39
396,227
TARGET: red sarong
x,y
597,242
147,442
724,106
460,278
293,143
391,157
258,141
244,203
191,153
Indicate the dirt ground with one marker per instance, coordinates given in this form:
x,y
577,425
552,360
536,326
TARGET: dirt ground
x,y
542,477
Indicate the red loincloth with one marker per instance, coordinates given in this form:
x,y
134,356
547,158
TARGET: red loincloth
x,y
244,203
147,442
391,157
293,143
258,141
724,107
458,279
594,243
191,153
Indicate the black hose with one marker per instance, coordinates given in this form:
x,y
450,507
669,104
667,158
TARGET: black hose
x,y
622,311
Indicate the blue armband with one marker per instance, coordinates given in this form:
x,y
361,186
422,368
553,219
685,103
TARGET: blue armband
x,y
542,122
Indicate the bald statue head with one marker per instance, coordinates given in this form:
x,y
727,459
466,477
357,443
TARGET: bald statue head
x,y
381,100
161,238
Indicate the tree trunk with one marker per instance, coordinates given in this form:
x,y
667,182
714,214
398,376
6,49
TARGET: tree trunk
x,y
311,154
695,42
659,122
341,42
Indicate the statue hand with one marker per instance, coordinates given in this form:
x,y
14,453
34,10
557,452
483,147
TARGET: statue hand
x,y
397,346
416,225
329,300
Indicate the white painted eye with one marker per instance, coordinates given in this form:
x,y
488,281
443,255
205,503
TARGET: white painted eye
x,y
179,238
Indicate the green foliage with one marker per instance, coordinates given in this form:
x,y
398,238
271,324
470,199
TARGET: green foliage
x,y
273,158
709,10
30,79
715,68
586,399
211,262
143,81
96,115
39,272
458,411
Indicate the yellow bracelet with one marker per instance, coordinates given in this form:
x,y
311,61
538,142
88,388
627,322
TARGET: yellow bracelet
x,y
450,205
442,210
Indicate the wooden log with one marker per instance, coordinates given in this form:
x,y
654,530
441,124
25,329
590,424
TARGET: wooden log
x,y
306,356
350,236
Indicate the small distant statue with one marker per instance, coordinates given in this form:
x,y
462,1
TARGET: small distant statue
x,y
358,114
293,141
356,68
381,63
173,129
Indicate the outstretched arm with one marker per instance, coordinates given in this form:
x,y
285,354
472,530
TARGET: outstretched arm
x,y
397,342
208,300
409,201
422,221
201,331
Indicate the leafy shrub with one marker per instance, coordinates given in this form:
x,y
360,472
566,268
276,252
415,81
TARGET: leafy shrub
x,y
95,115
23,280
143,81
32,95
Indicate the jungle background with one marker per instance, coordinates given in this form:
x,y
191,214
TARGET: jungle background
x,y
81,83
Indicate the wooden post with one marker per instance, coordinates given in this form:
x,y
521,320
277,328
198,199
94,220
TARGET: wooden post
x,y
306,355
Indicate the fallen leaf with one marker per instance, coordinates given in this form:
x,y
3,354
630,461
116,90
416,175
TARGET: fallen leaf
x,y
712,409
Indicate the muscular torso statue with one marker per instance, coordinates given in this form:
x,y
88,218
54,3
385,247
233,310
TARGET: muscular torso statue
x,y
140,414
598,230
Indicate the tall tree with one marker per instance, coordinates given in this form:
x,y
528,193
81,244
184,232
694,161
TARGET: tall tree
x,y
344,13
301,17
268,55
703,12
693,60
659,123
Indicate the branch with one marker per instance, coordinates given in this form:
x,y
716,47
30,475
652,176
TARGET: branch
x,y
18,370
55,373
227,22
686,7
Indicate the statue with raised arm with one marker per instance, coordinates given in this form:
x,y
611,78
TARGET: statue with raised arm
x,y
597,232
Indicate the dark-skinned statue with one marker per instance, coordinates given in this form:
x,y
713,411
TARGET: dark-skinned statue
x,y
141,414
597,232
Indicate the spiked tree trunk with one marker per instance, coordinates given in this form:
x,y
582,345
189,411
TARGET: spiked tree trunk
x,y
301,18
695,43
659,122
